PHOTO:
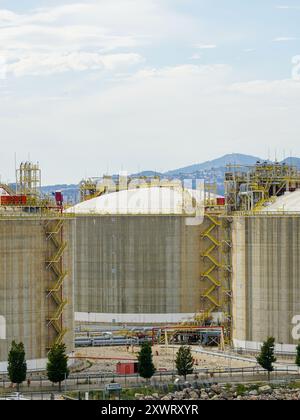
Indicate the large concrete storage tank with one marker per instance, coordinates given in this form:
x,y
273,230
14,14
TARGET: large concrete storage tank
x,y
137,257
31,287
266,275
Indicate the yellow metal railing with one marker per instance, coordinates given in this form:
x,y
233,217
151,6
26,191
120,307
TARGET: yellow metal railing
x,y
215,303
54,231
56,317
208,275
60,336
54,235
56,258
215,264
56,288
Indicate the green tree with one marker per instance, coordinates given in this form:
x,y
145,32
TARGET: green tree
x,y
267,357
146,367
17,367
57,366
184,361
298,356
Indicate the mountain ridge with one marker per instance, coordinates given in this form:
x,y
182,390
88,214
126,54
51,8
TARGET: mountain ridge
x,y
233,158
213,169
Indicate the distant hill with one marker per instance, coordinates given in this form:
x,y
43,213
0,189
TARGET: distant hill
x,y
292,161
148,174
234,158
70,192
59,187
209,170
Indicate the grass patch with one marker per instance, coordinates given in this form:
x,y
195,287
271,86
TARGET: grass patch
x,y
126,394
294,385
129,393
241,389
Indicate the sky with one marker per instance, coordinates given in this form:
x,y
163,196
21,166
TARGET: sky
x,y
102,86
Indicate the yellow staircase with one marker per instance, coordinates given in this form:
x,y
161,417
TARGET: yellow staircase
x,y
57,303
214,264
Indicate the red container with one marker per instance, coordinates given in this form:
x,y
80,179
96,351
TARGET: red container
x,y
128,368
221,201
13,200
59,198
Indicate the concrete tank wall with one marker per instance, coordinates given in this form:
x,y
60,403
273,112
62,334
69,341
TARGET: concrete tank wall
x,y
136,268
23,286
266,280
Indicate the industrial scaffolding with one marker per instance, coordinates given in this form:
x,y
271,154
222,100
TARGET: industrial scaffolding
x,y
28,179
179,334
251,188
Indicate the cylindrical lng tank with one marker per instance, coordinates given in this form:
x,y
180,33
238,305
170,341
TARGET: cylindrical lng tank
x,y
266,280
26,305
137,258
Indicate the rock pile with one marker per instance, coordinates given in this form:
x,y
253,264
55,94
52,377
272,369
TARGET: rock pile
x,y
228,392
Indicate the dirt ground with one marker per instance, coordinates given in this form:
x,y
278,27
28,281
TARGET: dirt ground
x,y
163,358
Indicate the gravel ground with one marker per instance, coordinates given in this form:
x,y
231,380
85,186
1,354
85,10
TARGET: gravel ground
x,y
162,357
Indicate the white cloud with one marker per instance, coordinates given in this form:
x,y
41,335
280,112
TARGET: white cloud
x,y
51,63
202,72
205,46
287,7
141,119
151,116
45,38
256,88
76,35
196,56
6,17
285,39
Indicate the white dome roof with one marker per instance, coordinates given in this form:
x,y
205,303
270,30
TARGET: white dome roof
x,y
289,202
3,192
153,200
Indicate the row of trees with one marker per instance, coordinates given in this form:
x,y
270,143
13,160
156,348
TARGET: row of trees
x,y
184,360
57,366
